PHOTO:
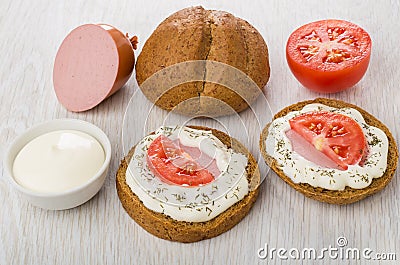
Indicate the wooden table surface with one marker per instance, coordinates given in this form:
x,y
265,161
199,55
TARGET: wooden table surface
x,y
100,232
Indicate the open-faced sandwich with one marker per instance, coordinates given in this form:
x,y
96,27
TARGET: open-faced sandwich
x,y
330,150
188,183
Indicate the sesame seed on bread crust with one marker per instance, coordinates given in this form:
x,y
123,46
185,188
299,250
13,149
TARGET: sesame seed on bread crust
x,y
348,195
168,228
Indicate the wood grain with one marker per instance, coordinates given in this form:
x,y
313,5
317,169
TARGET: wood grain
x,y
100,232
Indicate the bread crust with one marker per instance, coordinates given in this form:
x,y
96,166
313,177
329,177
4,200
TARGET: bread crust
x,y
194,34
348,195
168,228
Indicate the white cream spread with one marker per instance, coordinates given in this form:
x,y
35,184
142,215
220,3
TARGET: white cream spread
x,y
190,204
301,170
58,161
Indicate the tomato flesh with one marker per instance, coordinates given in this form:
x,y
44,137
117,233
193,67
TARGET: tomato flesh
x,y
329,55
337,136
171,164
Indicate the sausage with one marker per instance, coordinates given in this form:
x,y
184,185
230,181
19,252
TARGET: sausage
x,y
93,62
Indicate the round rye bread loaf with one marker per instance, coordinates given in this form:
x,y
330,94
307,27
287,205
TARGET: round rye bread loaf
x,y
348,195
203,62
163,226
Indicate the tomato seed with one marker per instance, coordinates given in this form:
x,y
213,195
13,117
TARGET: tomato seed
x,y
313,36
333,33
336,150
308,51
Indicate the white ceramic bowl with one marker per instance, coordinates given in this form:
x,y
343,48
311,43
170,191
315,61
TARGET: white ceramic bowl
x,y
70,198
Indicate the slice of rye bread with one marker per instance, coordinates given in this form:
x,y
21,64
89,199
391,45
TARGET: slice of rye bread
x,y
348,195
168,228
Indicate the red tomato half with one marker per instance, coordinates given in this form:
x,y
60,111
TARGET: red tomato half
x,y
171,164
328,55
337,136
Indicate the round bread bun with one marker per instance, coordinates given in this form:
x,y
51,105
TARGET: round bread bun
x,y
197,34
168,228
348,195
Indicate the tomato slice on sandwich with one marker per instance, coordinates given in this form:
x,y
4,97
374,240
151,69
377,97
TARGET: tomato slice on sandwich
x,y
337,136
173,165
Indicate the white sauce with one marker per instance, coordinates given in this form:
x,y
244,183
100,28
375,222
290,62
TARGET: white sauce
x,y
190,204
58,161
301,170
